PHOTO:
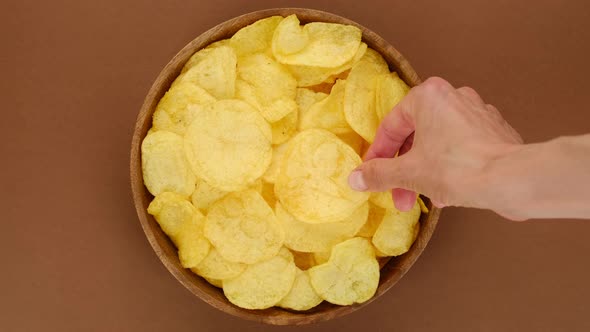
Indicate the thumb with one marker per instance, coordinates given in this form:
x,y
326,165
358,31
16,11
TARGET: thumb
x,y
382,174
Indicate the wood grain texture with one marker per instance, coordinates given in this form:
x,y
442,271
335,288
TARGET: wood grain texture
x,y
391,272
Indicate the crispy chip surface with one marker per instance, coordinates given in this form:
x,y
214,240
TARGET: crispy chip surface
x,y
328,113
310,76
351,275
244,228
359,95
205,195
312,183
192,245
175,110
267,85
397,231
171,211
278,152
222,133
315,44
374,219
213,266
301,296
213,69
390,90
306,237
256,37
164,164
263,284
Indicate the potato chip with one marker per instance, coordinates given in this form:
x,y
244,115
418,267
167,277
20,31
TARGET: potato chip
x,y
322,256
164,164
353,140
256,37
312,183
329,113
316,44
304,99
390,90
213,266
350,276
374,219
423,206
213,69
215,282
244,228
309,76
359,94
222,133
301,296
285,128
223,42
205,195
192,245
306,237
176,109
263,284
171,211
267,85
303,260
382,199
278,152
397,231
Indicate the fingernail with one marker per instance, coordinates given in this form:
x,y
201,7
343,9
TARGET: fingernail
x,y
356,181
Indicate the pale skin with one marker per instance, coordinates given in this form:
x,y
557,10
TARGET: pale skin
x,y
459,151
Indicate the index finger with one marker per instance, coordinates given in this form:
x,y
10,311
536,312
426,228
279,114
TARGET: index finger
x,y
393,131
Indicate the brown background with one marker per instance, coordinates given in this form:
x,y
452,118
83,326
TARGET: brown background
x,y
73,76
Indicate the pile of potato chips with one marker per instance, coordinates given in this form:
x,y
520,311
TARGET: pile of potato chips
x,y
248,160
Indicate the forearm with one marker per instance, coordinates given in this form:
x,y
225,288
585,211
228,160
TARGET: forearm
x,y
544,180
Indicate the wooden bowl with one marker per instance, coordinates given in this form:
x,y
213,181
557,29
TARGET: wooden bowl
x,y
391,272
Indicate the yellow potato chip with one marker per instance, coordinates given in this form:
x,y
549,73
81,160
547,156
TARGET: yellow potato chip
x,y
278,152
322,256
215,282
176,109
171,211
350,276
192,245
359,94
285,128
382,199
256,37
222,133
397,231
263,284
213,69
289,37
267,85
303,260
312,184
244,228
213,266
164,164
315,44
390,90
353,140
205,195
304,99
306,237
374,219
223,42
301,296
309,76
423,206
329,113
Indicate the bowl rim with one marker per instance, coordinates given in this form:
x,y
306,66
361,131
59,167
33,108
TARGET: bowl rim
x,y
391,272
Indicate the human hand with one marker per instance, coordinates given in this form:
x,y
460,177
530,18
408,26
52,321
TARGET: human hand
x,y
446,139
